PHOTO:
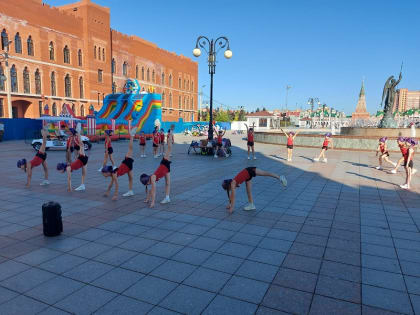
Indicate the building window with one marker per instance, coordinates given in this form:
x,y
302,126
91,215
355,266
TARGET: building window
x,y
262,122
113,66
153,76
53,87
40,108
163,98
79,57
170,100
137,71
100,75
103,54
51,49
4,39
82,111
184,84
37,82
18,43
81,90
114,88
163,78
192,86
188,84
30,46
148,75
1,78
142,73
54,109
67,85
192,102
66,53
179,102
73,109
125,66
1,108
26,83
13,79
94,52
179,83
99,53
170,80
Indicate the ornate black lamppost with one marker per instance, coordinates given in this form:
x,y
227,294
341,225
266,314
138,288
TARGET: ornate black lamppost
x,y
203,41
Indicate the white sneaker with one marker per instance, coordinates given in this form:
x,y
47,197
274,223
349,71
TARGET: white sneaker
x,y
283,180
249,158
255,157
324,160
166,200
45,182
414,171
128,193
100,170
378,168
114,168
316,159
394,172
215,156
81,187
249,207
405,186
227,155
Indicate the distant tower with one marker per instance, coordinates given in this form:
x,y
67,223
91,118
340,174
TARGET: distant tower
x,y
361,112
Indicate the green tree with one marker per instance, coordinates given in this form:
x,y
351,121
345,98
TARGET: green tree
x,y
264,109
257,110
222,116
241,115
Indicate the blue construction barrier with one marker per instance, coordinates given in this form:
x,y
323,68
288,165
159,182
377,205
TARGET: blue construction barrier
x,y
20,128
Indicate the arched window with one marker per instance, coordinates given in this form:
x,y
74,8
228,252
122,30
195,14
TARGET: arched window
x,y
185,102
170,100
184,83
103,54
192,86
192,102
99,53
37,82
30,46
114,88
79,57
53,87
179,83
73,108
188,84
163,98
82,110
153,76
26,83
18,44
142,73
1,79
170,80
179,101
51,49
67,85
94,52
113,65
54,109
137,71
66,53
148,75
4,39
125,66
81,90
13,79
163,78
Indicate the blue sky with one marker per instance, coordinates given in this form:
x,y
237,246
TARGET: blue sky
x,y
321,48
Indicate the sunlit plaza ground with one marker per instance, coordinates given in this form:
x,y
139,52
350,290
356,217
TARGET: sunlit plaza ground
x,y
343,238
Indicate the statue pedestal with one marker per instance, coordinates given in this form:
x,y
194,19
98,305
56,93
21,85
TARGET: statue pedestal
x,y
388,122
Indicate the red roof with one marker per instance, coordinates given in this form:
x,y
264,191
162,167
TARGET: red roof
x,y
306,118
258,114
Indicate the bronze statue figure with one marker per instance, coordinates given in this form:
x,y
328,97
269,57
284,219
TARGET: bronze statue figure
x,y
388,94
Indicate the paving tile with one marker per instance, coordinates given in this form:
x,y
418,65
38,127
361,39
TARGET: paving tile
x,y
386,299
62,263
302,263
377,250
187,300
275,244
262,310
254,229
150,289
338,289
282,234
220,234
383,279
192,256
295,279
125,305
267,256
161,311
206,243
245,289
344,244
413,284
22,305
173,271
194,229
229,225
312,239
115,256
38,256
207,279
27,280
307,250
380,263
86,301
180,238
54,290
143,263
227,306
246,239
90,250
162,249
52,311
113,239
92,234
325,305
118,280
342,256
11,268
369,310
88,271
287,300
410,268
137,244
340,271
223,263
234,249
408,255
415,300
6,295
257,271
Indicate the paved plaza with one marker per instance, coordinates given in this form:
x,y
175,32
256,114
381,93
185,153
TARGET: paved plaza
x,y
343,238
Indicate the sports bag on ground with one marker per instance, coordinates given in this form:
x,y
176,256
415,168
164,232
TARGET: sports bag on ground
x,y
51,219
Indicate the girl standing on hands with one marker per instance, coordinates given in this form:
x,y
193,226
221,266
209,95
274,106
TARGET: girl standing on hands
x,y
142,142
384,153
108,150
290,138
80,162
246,176
40,158
409,163
250,143
163,170
126,167
327,141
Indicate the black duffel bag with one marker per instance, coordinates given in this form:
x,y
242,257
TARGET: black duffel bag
x,y
51,219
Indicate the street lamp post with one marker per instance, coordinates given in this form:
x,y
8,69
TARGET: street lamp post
x,y
222,41
6,77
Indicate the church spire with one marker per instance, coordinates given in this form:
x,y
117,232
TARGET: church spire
x,y
362,90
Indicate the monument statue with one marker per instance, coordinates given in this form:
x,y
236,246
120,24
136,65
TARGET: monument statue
x,y
389,95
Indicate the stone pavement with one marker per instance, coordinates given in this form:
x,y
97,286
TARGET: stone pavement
x,y
343,238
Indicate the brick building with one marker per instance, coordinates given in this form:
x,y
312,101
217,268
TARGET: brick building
x,y
69,54
406,100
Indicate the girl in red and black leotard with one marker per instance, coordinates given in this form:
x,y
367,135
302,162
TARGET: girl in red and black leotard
x,y
142,143
327,141
125,167
250,141
40,158
403,149
409,162
72,145
246,176
156,142
290,138
108,150
164,170
219,143
382,147
80,162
